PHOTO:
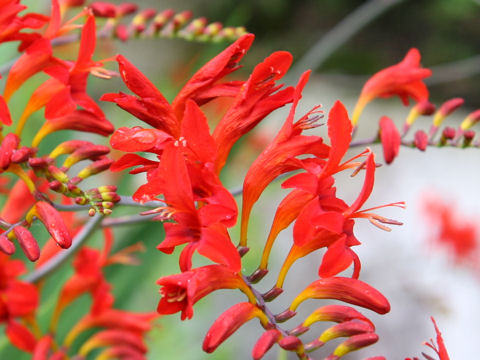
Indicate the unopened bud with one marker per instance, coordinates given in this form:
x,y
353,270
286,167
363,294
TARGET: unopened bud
x,y
80,200
178,21
345,289
103,9
162,18
39,163
139,21
196,27
91,212
346,329
213,29
92,152
8,145
121,32
21,155
57,186
423,107
446,109
126,9
468,138
54,223
447,134
229,322
421,140
6,245
290,343
94,168
27,243
265,342
354,343
470,120
57,174
67,147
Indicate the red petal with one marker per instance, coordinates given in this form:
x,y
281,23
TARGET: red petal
x,y
340,134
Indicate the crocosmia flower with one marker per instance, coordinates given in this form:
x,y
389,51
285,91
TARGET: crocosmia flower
x,y
404,79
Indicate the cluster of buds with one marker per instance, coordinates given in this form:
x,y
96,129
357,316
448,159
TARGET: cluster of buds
x,y
99,199
164,24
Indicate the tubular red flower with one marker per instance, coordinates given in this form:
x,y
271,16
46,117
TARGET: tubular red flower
x,y
404,79
276,159
209,74
259,97
229,322
349,290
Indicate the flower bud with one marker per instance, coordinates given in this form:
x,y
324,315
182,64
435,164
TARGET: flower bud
x,y
290,343
126,9
346,329
162,18
468,138
92,152
421,140
121,32
345,289
390,138
67,147
353,343
8,145
103,9
229,322
265,342
6,245
335,313
27,242
21,155
470,120
53,222
446,109
92,169
139,21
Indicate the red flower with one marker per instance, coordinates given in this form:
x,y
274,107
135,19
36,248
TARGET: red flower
x,y
280,156
181,291
403,79
202,229
257,98
452,230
